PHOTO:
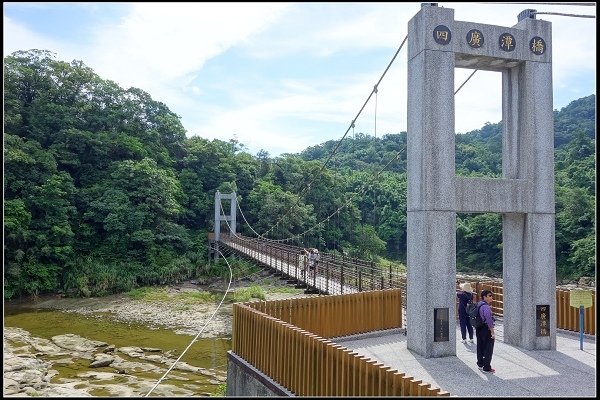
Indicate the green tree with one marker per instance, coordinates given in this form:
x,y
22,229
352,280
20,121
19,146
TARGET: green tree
x,y
276,213
368,245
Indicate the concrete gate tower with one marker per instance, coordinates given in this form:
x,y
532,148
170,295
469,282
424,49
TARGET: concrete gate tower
x,y
437,44
219,216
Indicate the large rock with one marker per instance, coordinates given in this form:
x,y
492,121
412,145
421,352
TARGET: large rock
x,y
23,363
131,351
102,362
77,343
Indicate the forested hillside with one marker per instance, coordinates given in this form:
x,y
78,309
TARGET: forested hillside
x,y
103,191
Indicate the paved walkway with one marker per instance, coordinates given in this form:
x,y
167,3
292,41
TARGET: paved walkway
x,y
566,372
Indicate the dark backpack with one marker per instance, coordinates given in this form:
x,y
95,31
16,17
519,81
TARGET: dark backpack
x,y
474,316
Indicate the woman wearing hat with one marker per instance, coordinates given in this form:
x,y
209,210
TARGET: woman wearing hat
x,y
465,296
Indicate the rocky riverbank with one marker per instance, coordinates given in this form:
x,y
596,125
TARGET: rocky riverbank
x,y
32,364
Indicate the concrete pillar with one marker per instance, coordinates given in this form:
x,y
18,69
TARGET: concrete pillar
x,y
217,216
529,264
232,214
431,221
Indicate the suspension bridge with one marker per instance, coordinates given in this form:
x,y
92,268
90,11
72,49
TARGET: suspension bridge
x,y
334,274
306,360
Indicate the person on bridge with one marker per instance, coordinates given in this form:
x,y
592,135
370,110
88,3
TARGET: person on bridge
x,y
302,261
313,260
485,334
465,296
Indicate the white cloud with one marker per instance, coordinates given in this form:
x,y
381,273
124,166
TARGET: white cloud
x,y
162,47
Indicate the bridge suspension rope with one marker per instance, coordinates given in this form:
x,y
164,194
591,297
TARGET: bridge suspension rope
x,y
197,335
364,188
374,91
335,149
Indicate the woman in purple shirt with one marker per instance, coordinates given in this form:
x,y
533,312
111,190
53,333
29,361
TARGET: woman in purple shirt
x,y
485,334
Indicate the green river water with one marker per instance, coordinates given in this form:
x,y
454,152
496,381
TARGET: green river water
x,y
206,353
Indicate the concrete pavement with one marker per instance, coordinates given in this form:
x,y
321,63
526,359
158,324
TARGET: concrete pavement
x,y
565,372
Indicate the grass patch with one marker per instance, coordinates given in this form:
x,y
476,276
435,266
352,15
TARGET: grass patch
x,y
138,293
196,297
220,392
162,294
245,294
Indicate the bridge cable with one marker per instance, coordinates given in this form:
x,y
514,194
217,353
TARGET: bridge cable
x,y
307,187
563,14
205,325
365,186
244,217
375,89
463,84
543,4
251,275
552,4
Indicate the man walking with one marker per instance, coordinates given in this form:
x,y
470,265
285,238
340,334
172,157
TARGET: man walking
x,y
485,334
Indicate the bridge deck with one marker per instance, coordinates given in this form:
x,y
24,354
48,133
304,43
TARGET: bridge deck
x,y
314,281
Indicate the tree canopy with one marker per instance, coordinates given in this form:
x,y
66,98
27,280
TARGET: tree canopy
x,y
103,191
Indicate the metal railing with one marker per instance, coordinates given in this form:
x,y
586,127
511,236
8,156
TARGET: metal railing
x,y
341,275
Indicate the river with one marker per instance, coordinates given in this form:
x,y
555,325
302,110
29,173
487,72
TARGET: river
x,y
49,339
208,354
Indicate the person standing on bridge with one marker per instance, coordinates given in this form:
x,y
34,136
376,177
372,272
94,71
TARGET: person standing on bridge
x,y
313,260
302,261
465,296
485,334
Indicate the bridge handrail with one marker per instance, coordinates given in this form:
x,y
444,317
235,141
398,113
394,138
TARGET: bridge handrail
x,y
370,275
351,275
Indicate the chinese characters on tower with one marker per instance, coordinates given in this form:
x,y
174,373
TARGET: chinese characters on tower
x,y
475,40
542,319
537,45
507,42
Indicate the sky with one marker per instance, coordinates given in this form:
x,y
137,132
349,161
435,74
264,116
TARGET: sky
x,y
281,77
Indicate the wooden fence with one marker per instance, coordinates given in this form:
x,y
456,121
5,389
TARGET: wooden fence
x,y
567,317
287,341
